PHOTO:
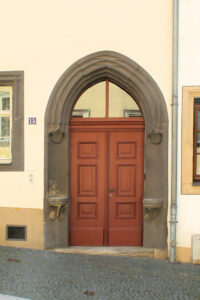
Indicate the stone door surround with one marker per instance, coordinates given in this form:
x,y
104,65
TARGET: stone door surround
x,y
131,77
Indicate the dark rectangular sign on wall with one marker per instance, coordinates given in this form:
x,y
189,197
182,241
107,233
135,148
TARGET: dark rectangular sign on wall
x,y
31,121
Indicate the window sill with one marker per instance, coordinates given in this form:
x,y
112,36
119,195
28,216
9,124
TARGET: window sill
x,y
5,162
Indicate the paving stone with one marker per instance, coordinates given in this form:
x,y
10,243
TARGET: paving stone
x,y
41,275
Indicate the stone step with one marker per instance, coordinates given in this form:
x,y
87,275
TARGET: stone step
x,y
118,251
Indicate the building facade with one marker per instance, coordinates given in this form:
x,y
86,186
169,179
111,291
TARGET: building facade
x,y
188,90
86,114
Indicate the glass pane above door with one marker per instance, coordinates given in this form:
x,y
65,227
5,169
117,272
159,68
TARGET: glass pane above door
x,y
121,104
91,103
105,99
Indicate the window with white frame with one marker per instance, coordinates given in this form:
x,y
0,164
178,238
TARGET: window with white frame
x,y
5,124
11,121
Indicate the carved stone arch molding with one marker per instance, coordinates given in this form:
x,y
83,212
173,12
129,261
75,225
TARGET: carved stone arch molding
x,y
131,77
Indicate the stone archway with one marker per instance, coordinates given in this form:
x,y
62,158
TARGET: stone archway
x,y
139,84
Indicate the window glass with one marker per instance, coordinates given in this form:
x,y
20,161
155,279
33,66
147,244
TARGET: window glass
x,y
4,127
5,124
121,104
91,103
198,142
198,119
198,165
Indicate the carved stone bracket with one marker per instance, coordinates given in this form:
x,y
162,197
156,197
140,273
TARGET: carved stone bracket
x,y
156,137
152,203
56,136
58,202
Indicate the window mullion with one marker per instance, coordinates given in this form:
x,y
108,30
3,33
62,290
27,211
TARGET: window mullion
x,y
107,97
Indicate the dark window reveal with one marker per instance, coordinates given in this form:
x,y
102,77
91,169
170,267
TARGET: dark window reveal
x,y
16,233
196,144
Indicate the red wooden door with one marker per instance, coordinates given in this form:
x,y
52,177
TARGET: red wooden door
x,y
88,168
106,183
125,188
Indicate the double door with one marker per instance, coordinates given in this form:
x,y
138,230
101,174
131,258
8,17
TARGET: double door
x,y
107,177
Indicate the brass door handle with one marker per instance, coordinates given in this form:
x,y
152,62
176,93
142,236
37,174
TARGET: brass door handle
x,y
111,190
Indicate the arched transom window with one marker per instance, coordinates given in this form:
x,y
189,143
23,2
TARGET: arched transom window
x,y
105,99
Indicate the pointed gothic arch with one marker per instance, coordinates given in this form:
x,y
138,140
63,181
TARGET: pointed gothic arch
x,y
131,77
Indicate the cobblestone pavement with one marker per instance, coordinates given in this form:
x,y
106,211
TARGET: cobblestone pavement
x,y
37,275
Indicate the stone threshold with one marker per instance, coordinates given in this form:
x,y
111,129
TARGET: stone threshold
x,y
118,251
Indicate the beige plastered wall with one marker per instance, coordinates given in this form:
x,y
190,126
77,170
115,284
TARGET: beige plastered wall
x,y
44,38
189,87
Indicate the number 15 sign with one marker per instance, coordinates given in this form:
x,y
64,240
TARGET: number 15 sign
x,y
31,121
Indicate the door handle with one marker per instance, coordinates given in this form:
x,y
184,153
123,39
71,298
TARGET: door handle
x,y
111,190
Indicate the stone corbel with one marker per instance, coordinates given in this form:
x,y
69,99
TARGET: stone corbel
x,y
155,137
56,136
151,203
58,202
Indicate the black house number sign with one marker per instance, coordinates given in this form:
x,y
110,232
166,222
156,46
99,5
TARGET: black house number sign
x,y
31,121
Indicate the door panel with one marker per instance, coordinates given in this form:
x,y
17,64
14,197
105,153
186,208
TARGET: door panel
x,y
87,180
126,182
88,168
